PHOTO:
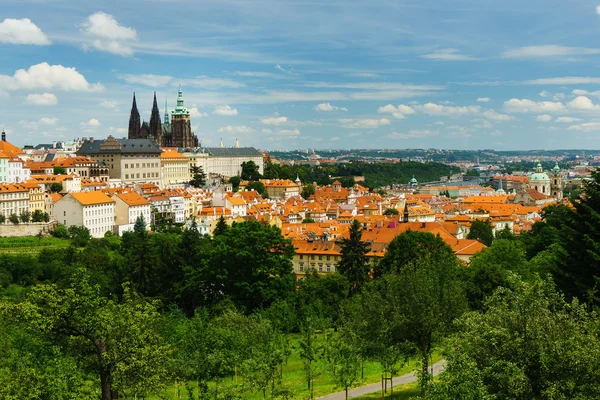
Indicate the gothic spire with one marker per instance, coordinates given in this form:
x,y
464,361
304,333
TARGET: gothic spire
x,y
155,125
134,121
166,123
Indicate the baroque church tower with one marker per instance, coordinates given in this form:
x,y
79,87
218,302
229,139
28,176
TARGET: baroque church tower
x,y
181,127
556,186
134,122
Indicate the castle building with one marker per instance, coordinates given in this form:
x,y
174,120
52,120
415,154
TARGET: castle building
x,y
174,133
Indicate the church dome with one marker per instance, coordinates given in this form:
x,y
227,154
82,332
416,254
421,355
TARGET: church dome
x,y
539,176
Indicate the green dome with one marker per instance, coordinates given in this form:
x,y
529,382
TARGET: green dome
x,y
556,168
539,176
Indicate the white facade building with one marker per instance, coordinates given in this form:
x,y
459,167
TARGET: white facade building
x,y
128,208
92,210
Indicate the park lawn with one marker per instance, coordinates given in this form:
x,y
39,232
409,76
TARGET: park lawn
x,y
31,244
294,380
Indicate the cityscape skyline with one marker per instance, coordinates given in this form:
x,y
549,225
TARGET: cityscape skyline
x,y
295,75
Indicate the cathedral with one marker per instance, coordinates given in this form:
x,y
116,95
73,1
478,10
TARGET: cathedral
x,y
176,133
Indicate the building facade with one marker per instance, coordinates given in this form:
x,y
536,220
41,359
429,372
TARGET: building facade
x,y
127,160
223,161
92,210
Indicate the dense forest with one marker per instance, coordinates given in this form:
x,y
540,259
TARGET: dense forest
x,y
174,314
376,175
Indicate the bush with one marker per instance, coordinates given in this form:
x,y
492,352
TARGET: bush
x,y
60,232
14,218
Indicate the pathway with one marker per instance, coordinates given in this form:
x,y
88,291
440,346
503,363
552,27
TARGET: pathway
x,y
376,387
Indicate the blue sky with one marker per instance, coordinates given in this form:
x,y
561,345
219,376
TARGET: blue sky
x,y
461,74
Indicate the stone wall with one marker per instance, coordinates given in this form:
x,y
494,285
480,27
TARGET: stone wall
x,y
31,229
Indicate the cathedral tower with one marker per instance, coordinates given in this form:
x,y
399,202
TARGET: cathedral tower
x,y
556,186
181,128
134,122
155,127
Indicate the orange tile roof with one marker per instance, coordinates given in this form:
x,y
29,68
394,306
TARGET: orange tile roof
x,y
132,199
169,152
91,198
9,149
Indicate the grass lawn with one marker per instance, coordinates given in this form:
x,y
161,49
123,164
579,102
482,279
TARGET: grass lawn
x,y
31,244
403,392
294,381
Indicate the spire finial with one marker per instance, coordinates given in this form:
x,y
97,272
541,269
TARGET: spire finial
x,y
166,118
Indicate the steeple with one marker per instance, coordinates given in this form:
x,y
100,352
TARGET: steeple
x,y
405,219
237,144
166,123
221,143
500,189
3,136
134,121
155,125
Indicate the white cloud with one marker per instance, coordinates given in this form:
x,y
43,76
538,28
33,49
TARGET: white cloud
x,y
106,34
582,103
448,55
364,123
598,10
564,80
22,31
544,93
206,82
279,67
195,113
45,76
335,138
413,134
328,107
437,109
544,118
274,120
225,110
267,131
483,100
146,79
292,133
586,127
92,122
48,121
43,99
526,105
235,129
496,133
548,51
398,112
567,119
495,116
354,134
110,104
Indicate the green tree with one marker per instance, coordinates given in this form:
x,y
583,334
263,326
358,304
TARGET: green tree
x,y
482,231
353,261
409,248
37,216
308,190
14,218
235,182
140,225
80,235
506,233
250,171
56,187
259,187
120,340
25,217
310,350
428,295
250,264
221,227
391,211
60,171
344,361
198,177
472,172
2,218
60,231
308,221
529,343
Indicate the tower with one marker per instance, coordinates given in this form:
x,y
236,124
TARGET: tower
x,y
134,121
155,127
500,188
405,216
166,122
181,128
556,185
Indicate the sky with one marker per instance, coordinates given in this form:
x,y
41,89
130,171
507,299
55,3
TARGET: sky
x,y
323,74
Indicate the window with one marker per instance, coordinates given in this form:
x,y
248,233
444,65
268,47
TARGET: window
x,y
328,268
301,257
327,258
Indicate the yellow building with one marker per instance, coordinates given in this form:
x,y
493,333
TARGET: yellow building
x,y
174,168
14,199
37,197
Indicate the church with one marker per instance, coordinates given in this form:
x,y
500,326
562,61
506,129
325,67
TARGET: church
x,y
176,132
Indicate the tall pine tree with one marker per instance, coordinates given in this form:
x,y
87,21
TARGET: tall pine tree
x,y
353,264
